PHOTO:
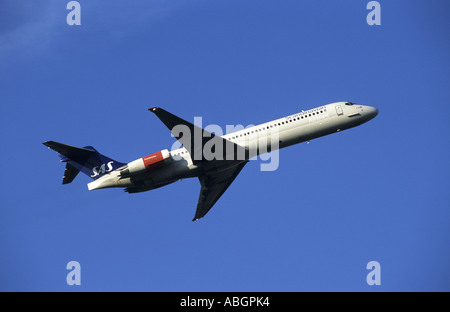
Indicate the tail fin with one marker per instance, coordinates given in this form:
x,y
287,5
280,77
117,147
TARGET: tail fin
x,y
86,160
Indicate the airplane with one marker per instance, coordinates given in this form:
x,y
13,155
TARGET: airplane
x,y
230,152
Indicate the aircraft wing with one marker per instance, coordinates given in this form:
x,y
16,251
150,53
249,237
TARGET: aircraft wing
x,y
213,186
219,171
194,138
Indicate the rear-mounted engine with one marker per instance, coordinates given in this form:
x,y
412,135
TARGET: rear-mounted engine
x,y
146,163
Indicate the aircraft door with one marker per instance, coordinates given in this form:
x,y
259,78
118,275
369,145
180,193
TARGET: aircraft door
x,y
339,110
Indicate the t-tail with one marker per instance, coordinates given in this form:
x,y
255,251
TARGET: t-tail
x,y
85,159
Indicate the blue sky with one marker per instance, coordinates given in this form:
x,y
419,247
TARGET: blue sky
x,y
376,192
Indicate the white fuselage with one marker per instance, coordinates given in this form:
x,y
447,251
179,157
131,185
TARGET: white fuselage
x,y
269,136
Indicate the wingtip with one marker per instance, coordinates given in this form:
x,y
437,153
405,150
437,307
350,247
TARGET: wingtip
x,y
153,109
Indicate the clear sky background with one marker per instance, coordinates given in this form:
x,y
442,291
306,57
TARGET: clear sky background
x,y
376,192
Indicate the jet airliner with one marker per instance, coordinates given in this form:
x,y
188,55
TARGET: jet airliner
x,y
215,170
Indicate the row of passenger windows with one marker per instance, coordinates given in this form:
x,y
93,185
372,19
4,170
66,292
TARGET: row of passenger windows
x,y
303,116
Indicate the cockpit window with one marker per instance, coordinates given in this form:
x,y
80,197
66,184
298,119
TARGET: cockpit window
x,y
349,103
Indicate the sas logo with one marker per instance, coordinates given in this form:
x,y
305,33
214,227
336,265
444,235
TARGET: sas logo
x,y
98,170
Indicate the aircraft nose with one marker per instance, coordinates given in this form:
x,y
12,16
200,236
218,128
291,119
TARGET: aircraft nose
x,y
371,112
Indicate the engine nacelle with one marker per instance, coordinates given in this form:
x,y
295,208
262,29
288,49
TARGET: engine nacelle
x,y
146,163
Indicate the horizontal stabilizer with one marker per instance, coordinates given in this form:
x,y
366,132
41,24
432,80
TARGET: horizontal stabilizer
x,y
71,152
85,159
